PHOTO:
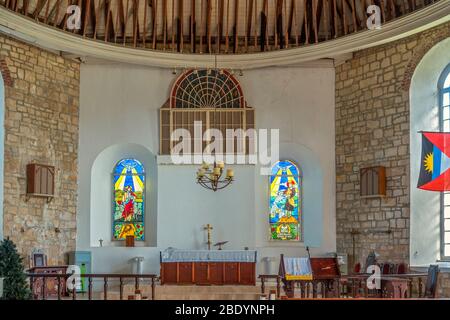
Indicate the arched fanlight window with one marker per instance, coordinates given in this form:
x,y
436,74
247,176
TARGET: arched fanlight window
x,y
211,99
207,88
444,120
129,200
285,201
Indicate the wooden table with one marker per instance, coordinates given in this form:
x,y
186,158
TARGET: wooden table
x,y
208,267
411,276
395,288
208,273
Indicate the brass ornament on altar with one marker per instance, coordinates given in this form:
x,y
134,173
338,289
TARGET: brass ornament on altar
x,y
208,228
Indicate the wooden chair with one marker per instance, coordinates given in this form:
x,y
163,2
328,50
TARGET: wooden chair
x,y
431,287
386,268
357,268
401,268
392,268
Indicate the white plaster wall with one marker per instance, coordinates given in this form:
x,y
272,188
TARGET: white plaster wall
x,y
424,115
120,104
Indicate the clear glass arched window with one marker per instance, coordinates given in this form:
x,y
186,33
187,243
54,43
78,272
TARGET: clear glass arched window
x,y
444,120
129,200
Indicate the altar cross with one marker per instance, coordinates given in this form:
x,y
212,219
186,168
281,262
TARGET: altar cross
x,y
208,228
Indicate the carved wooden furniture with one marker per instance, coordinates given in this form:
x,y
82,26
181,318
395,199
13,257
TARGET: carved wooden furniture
x,y
40,181
373,182
204,267
45,287
395,287
325,274
401,268
208,273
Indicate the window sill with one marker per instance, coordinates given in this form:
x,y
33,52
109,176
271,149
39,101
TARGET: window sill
x,y
167,160
444,266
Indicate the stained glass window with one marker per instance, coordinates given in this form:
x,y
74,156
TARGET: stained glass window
x,y
285,201
129,200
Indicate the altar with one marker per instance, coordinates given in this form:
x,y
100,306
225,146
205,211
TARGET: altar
x,y
208,267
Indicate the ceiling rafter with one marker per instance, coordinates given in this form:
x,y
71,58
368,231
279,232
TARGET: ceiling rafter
x,y
213,26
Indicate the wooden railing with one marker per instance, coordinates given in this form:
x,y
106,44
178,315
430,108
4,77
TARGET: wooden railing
x,y
212,26
265,277
90,278
352,286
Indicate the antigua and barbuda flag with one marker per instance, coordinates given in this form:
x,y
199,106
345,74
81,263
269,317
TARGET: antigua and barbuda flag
x,y
435,162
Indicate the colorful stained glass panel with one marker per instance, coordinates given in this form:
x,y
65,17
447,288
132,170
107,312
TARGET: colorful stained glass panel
x,y
129,200
285,202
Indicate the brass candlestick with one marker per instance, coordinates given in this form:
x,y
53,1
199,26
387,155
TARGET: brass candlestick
x,y
208,228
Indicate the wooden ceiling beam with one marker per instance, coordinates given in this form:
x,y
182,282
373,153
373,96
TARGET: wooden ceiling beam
x,y
236,27
153,6
227,27
164,23
39,6
85,17
120,20
108,18
25,6
193,28
208,25
135,13
264,39
230,29
155,24
128,8
219,23
249,18
47,11
180,31
56,13
352,7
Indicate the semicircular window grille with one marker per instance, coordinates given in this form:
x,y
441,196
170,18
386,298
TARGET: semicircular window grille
x,y
207,88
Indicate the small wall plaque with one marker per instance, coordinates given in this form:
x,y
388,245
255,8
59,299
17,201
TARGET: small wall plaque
x,y
373,182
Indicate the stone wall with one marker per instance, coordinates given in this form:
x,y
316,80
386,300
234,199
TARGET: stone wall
x,y
41,126
372,128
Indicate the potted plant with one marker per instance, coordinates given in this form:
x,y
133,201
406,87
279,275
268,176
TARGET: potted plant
x,y
15,286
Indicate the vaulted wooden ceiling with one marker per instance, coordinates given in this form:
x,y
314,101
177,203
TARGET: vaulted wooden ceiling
x,y
212,26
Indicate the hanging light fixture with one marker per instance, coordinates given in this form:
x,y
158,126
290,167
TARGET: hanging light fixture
x,y
212,176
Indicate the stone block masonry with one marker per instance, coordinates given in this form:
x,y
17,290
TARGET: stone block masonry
x,y
41,126
372,128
